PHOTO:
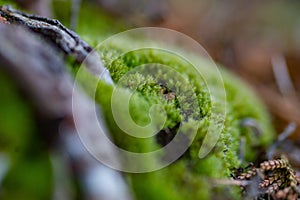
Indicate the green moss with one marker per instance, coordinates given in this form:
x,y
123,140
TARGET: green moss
x,y
174,182
189,177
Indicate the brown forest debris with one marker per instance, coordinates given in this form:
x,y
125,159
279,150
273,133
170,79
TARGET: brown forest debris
x,y
274,179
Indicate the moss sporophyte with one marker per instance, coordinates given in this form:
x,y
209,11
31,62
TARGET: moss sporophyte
x,y
159,91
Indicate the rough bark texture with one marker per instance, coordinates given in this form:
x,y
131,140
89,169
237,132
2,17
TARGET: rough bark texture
x,y
66,40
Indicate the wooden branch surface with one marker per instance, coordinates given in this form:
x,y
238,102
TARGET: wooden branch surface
x,y
66,40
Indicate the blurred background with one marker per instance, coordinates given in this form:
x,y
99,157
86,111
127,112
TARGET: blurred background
x,y
259,41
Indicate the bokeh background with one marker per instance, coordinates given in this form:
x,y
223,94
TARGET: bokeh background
x,y
259,41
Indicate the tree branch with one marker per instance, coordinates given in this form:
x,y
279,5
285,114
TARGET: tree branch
x,y
66,40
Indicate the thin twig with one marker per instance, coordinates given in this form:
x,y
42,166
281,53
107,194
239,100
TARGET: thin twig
x,y
242,149
4,166
230,182
74,14
252,124
289,130
282,77
62,187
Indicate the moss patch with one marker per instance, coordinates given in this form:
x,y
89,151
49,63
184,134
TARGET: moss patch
x,y
189,177
188,104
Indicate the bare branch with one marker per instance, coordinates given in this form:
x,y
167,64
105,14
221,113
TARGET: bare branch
x,y
66,40
289,130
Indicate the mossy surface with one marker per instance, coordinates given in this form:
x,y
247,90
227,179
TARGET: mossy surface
x,y
189,177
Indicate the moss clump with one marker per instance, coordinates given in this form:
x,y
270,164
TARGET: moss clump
x,y
185,101
184,98
189,176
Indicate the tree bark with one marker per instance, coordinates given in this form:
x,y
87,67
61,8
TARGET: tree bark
x,y
61,37
40,74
